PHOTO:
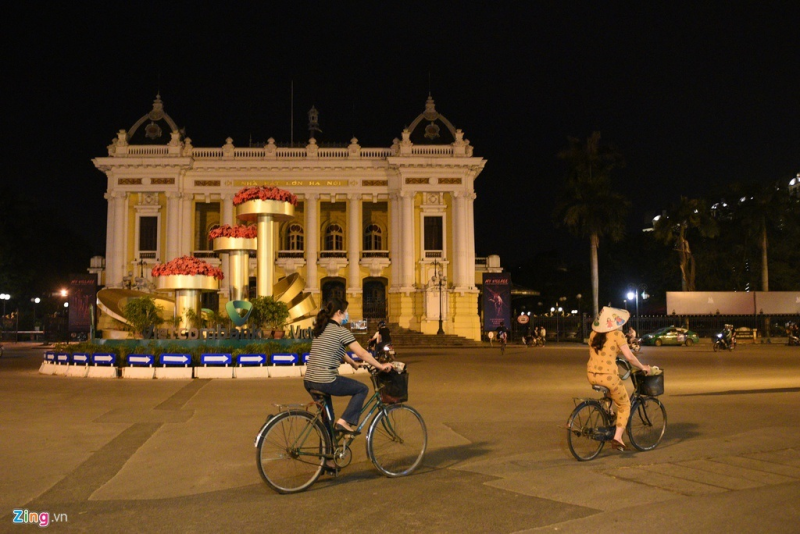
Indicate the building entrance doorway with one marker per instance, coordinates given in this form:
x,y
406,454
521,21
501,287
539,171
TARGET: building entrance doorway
x,y
375,298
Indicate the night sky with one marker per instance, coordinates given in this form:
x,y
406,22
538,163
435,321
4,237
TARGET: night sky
x,y
694,96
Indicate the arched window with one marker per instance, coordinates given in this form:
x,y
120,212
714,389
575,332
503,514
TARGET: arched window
x,y
294,237
334,237
373,237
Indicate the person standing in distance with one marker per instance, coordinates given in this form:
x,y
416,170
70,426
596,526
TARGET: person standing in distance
x,y
327,352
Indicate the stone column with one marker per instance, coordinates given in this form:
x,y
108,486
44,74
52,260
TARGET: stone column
x,y
470,237
111,272
173,222
459,221
120,233
312,241
408,225
353,242
395,244
187,214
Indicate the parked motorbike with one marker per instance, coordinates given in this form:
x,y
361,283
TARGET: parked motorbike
x,y
635,344
794,340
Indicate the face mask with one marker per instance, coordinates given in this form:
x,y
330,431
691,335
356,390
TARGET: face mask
x,y
346,318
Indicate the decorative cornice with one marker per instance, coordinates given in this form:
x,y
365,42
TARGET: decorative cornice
x,y
206,183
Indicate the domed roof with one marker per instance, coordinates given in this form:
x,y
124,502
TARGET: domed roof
x,y
431,127
154,128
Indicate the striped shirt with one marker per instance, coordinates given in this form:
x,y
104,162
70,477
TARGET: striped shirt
x,y
327,353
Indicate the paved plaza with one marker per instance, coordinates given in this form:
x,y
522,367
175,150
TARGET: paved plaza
x,y
106,455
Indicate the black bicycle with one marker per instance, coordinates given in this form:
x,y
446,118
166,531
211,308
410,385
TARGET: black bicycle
x,y
296,445
591,423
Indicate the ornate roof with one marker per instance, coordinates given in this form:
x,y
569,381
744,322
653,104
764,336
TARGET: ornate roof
x,y
431,127
154,128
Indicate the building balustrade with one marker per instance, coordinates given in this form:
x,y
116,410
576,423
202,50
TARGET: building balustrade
x,y
291,254
251,153
333,254
374,253
434,254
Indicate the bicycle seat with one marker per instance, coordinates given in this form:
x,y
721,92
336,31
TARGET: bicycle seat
x,y
601,389
317,393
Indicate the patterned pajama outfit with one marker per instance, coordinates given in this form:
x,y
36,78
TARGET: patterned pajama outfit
x,y
602,371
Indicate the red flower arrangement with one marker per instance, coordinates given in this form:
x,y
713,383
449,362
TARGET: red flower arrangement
x,y
187,265
239,230
264,192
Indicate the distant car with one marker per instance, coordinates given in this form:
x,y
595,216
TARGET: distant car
x,y
671,335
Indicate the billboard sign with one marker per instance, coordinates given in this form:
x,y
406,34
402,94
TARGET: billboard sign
x,y
496,300
82,294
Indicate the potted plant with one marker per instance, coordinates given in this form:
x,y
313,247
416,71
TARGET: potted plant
x,y
269,313
142,313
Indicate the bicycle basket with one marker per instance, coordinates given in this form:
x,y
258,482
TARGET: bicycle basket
x,y
650,385
394,386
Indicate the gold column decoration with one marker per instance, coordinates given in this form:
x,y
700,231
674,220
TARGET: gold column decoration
x,y
238,249
187,288
265,212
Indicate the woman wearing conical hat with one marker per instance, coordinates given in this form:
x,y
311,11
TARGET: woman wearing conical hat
x,y
605,343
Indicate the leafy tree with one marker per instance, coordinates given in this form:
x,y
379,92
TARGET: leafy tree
x,y
764,209
269,312
588,207
675,226
142,313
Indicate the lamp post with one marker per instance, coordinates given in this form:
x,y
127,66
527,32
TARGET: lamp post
x,y
439,280
141,263
4,297
580,314
635,295
35,301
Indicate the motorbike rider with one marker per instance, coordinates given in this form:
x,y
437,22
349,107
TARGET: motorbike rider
x,y
380,339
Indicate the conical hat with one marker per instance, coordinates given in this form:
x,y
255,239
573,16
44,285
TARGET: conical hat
x,y
610,319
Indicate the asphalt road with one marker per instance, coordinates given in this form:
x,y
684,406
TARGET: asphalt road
x,y
178,456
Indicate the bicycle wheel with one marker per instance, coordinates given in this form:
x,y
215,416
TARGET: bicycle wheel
x,y
647,423
397,440
585,430
290,453
502,348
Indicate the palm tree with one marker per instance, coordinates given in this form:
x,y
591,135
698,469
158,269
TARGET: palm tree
x,y
674,227
588,207
762,209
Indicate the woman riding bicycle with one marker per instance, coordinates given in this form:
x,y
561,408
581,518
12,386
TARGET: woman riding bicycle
x,y
327,353
605,342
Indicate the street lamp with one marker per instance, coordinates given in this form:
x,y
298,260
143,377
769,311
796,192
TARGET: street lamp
x,y
35,301
439,279
4,297
635,295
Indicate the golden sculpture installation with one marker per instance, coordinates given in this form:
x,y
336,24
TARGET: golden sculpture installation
x,y
188,277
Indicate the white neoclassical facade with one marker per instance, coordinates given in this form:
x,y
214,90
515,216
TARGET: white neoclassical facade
x,y
375,225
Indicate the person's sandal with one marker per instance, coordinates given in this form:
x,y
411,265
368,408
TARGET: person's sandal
x,y
345,431
618,445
